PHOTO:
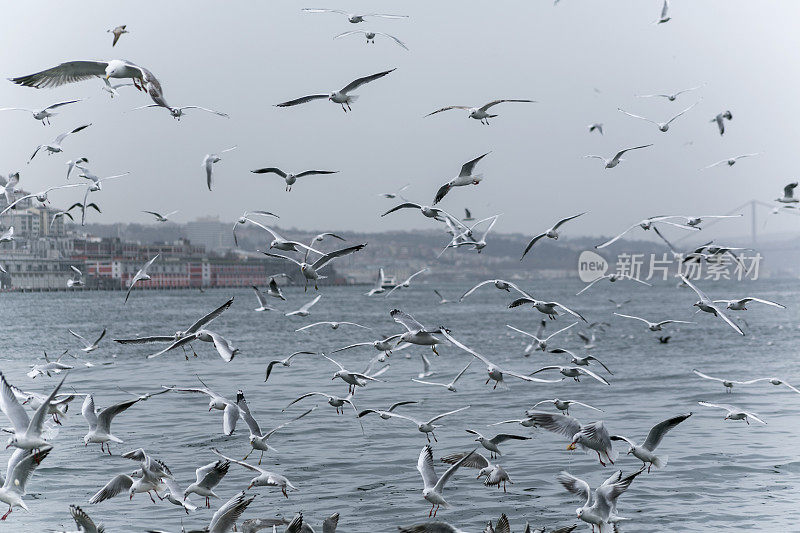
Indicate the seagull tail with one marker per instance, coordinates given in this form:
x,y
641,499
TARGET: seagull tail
x,y
352,97
660,462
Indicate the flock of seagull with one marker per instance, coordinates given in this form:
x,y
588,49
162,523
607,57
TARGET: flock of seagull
x,y
32,436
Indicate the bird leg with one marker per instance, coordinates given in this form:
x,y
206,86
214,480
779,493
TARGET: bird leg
x,y
504,486
7,513
601,459
495,385
283,489
248,454
151,497
348,107
208,502
609,458
260,458
434,349
436,511
487,381
430,513
648,467
108,448
434,437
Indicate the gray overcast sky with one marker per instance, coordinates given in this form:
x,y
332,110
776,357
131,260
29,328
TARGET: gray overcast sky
x,y
243,57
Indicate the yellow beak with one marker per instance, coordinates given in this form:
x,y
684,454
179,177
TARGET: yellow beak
x,y
571,446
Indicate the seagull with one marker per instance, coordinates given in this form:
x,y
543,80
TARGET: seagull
x,y
386,415
208,164
112,90
230,411
551,233
290,178
613,277
353,379
149,479
40,196
662,126
731,160
479,113
279,243
77,278
465,177
602,508
707,305
574,372
547,308
259,439
430,527
645,452
264,477
225,518
494,372
664,17
563,405
720,120
428,427
8,186
319,238
592,436
671,97
499,284
415,333
581,361
42,114
354,18
449,386
646,224
178,112
118,31
100,422
305,310
596,126
285,362
244,219
734,413
82,520
77,163
203,321
654,326
340,97
442,299
614,161
83,207
370,35
20,469
393,195
206,478
495,474
729,383
385,345
141,275
160,217
464,239
88,346
788,195
492,443
27,432
262,301
95,186
333,325
8,235
695,221
310,271
407,283
223,346
49,368
428,211
333,401
74,71
434,486
541,343
739,305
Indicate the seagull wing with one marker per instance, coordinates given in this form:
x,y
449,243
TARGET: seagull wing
x,y
226,516
467,168
634,116
107,415
425,467
302,100
406,320
475,460
209,317
392,37
448,413
118,484
355,84
12,408
325,259
448,108
615,239
658,431
439,487
315,173
563,220
682,112
493,103
622,152
269,170
575,485
69,72
562,424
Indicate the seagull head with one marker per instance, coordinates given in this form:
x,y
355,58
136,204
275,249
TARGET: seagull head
x,y
579,512
11,441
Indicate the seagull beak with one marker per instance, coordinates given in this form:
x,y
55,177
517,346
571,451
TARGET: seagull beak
x,y
108,76
571,446
250,486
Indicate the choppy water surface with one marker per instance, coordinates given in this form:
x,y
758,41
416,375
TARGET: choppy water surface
x,y
721,474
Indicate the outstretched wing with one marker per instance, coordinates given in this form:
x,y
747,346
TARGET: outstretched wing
x,y
69,72
658,431
355,84
302,100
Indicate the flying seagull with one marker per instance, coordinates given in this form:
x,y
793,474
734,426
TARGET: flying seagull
x,y
707,305
645,451
614,161
370,35
730,161
160,217
208,164
74,71
465,177
662,126
118,31
670,96
141,275
290,178
354,18
42,114
479,113
340,97
720,120
178,112
551,233
54,146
